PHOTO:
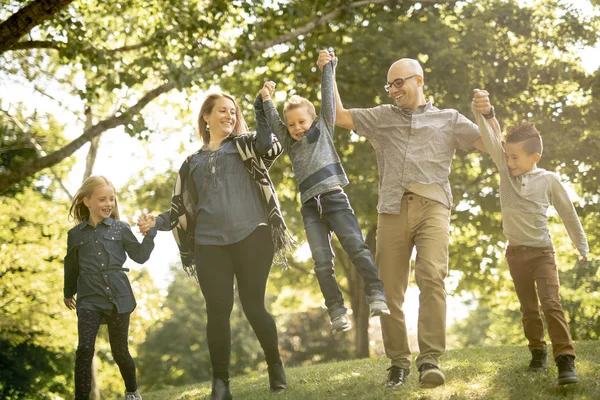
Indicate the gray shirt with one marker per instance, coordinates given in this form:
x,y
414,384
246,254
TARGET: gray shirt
x,y
413,147
525,199
229,202
315,162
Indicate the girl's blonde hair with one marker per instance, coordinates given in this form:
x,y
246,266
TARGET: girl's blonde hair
x,y
79,211
206,109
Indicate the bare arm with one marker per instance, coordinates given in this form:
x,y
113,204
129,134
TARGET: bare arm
x,y
343,117
481,103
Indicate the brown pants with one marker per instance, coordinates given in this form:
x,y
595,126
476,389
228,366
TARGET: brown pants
x,y
424,224
532,267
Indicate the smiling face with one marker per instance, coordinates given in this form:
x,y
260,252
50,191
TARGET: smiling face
x,y
410,95
222,118
518,160
101,203
298,121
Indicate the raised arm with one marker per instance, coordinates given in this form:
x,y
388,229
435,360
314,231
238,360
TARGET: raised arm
x,y
481,103
343,117
276,125
327,96
563,205
264,138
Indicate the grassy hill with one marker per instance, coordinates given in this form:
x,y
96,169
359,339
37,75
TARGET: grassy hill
x,y
474,373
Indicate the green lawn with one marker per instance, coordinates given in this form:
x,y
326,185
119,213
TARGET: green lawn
x,y
475,373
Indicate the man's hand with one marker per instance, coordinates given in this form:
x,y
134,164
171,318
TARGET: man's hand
x,y
70,303
481,101
325,57
267,90
145,222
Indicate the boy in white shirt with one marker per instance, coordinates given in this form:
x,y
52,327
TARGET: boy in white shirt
x,y
526,192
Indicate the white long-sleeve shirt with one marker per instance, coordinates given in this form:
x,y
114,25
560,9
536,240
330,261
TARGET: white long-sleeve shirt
x,y
524,199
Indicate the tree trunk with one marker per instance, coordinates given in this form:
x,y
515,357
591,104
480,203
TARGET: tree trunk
x,y
94,144
360,315
26,19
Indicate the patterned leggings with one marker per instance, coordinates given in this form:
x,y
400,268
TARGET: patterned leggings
x,y
118,327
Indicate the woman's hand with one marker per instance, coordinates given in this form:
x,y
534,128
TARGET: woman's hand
x,y
145,222
70,303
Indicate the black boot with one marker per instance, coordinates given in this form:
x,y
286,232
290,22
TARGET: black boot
x,y
277,380
539,360
220,390
566,369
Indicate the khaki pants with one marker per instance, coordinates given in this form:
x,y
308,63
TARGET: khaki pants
x,y
424,224
532,267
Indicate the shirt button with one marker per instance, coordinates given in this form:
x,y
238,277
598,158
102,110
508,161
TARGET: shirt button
x,y
108,288
99,253
96,241
102,265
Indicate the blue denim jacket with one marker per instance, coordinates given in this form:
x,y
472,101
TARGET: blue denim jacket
x,y
94,264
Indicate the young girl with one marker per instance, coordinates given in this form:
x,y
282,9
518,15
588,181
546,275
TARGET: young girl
x,y
94,271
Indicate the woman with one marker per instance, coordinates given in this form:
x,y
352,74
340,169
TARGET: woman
x,y
227,224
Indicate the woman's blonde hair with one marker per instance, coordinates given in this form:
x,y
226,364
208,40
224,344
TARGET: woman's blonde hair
x,y
79,211
206,109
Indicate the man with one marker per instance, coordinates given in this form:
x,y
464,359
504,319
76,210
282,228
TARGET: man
x,y
414,143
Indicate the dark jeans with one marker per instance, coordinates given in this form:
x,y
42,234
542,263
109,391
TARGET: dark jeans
x,y
88,323
323,215
249,261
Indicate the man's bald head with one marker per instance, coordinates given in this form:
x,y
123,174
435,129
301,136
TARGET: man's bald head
x,y
405,67
405,83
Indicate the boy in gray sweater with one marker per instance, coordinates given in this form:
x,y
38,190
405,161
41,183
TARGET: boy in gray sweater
x,y
308,139
526,192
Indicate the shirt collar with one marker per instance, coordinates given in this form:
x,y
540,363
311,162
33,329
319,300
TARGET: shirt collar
x,y
106,221
423,108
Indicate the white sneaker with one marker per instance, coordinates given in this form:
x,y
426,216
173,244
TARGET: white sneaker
x,y
341,323
378,308
133,395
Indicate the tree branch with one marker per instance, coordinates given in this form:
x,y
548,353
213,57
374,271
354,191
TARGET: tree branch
x,y
9,178
26,19
37,44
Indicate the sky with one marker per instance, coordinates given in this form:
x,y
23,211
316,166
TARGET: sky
x,y
121,158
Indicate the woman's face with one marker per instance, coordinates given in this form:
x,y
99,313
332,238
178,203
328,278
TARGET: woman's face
x,y
221,120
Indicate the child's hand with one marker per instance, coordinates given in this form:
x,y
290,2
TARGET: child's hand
x,y
481,101
583,260
70,303
145,222
267,90
325,57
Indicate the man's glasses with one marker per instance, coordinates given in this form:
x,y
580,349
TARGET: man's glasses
x,y
398,83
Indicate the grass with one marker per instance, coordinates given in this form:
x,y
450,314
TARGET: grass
x,y
474,373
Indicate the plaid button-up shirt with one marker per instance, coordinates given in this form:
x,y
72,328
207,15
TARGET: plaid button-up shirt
x,y
413,147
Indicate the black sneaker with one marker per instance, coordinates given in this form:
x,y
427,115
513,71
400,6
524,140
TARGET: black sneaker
x,y
396,376
566,369
430,376
539,360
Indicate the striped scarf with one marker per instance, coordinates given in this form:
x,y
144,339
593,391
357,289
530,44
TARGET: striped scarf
x,y
181,217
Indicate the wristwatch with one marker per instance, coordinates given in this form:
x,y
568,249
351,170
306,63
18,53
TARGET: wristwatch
x,y
491,114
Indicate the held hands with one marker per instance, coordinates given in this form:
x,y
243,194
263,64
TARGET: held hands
x,y
325,57
70,303
481,101
267,90
145,222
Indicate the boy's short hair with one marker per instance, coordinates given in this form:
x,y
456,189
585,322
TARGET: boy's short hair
x,y
526,133
297,102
